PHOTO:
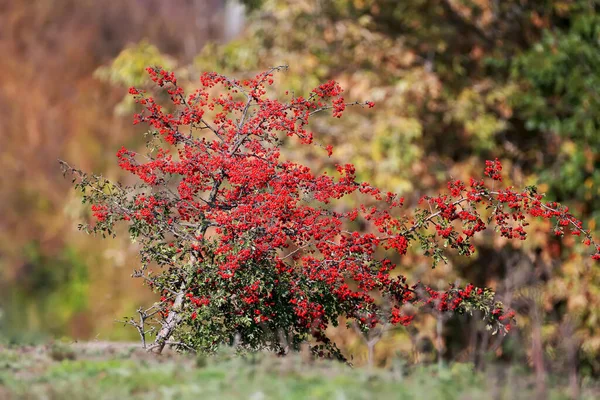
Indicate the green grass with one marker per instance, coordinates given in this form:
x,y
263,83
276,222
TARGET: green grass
x,y
79,372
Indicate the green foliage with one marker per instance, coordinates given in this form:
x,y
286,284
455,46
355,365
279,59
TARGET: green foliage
x,y
52,288
129,69
559,76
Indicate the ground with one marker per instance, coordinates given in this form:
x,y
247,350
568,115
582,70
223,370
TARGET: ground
x,y
123,371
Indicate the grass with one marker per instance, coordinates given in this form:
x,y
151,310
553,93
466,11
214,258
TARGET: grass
x,y
108,371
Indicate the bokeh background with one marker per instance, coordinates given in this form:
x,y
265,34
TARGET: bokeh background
x,y
455,82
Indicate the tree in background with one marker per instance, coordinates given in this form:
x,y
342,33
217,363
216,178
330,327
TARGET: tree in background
x,y
456,83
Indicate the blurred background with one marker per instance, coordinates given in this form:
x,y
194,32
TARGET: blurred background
x,y
455,82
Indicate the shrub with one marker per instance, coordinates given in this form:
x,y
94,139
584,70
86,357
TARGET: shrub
x,y
250,249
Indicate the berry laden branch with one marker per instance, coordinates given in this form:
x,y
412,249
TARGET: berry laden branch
x,y
247,246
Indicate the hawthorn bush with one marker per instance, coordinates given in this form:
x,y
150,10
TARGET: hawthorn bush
x,y
245,247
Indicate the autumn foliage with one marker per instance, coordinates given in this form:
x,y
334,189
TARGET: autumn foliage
x,y
246,247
